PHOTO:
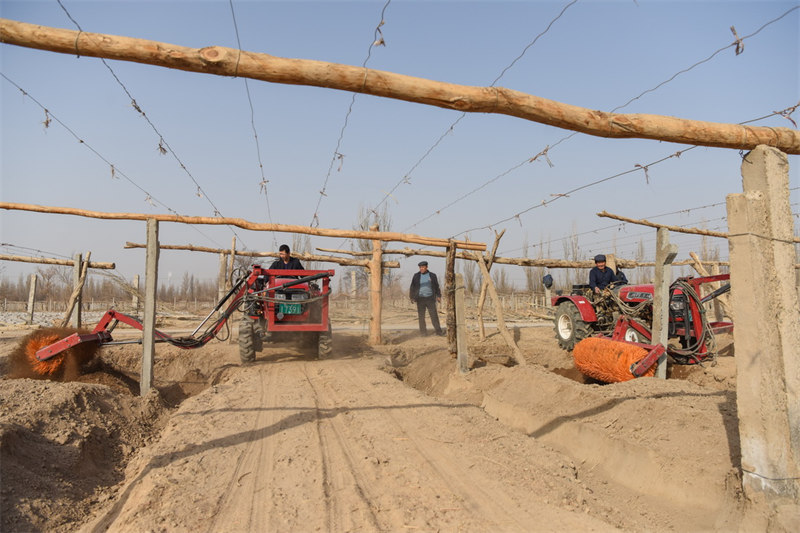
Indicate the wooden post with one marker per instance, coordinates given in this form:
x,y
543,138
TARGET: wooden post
x,y
461,326
665,254
75,298
767,332
149,321
221,277
482,295
31,298
450,296
76,281
229,280
375,290
501,323
135,298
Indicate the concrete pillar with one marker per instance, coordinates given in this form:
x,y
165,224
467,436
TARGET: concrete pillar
x,y
221,276
665,254
135,298
75,320
353,285
149,321
31,298
767,331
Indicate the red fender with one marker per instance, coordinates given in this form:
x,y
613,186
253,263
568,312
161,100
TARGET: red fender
x,y
585,307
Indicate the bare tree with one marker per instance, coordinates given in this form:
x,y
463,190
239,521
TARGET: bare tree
x,y
470,271
366,219
571,253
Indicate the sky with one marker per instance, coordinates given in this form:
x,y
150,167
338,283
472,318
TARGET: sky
x,y
437,172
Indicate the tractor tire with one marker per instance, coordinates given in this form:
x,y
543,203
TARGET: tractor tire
x,y
250,338
325,344
631,335
569,327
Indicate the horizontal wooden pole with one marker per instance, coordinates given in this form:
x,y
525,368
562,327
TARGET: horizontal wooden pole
x,y
47,261
676,229
300,255
244,224
222,61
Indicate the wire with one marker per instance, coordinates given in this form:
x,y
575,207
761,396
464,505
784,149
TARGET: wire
x,y
337,155
115,171
264,181
163,145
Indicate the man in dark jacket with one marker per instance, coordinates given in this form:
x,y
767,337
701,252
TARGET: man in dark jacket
x,y
600,276
286,261
425,292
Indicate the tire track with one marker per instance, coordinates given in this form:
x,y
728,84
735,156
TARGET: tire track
x,y
342,486
484,499
239,508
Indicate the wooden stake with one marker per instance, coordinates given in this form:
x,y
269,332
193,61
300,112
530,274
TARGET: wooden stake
x,y
484,285
501,323
461,326
375,291
74,303
450,297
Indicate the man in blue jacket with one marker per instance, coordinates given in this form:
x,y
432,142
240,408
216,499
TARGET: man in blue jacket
x,y
425,292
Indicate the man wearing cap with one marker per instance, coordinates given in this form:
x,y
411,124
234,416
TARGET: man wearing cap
x,y
600,276
425,291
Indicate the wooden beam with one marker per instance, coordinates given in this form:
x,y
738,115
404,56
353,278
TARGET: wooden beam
x,y
223,61
300,255
48,261
676,229
245,224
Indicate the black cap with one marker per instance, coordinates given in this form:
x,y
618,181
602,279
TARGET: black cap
x,y
422,264
600,258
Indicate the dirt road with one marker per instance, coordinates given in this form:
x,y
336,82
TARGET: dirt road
x,y
337,446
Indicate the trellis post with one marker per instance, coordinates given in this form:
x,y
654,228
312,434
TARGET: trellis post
x,y
450,296
75,322
375,288
149,321
31,298
461,326
665,254
767,332
135,298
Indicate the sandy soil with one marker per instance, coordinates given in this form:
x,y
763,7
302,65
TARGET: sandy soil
x,y
387,438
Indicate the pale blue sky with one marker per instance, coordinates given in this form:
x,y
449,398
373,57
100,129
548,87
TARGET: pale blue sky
x,y
598,55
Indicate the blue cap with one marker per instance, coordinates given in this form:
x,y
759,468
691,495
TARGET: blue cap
x,y
600,258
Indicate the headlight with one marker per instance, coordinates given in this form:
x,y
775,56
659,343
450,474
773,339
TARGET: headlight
x,y
677,304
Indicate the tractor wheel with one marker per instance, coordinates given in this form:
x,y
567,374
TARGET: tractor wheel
x,y
250,335
569,327
631,335
325,344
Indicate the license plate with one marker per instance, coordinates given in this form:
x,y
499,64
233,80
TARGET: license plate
x,y
290,309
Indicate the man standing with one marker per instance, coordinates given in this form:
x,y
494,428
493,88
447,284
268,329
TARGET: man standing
x,y
286,261
600,276
425,291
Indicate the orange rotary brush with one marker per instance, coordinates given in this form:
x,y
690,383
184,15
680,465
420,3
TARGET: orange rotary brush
x,y
608,361
64,366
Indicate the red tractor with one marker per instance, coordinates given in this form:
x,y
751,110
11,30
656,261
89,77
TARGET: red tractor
x,y
625,313
285,305
277,305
